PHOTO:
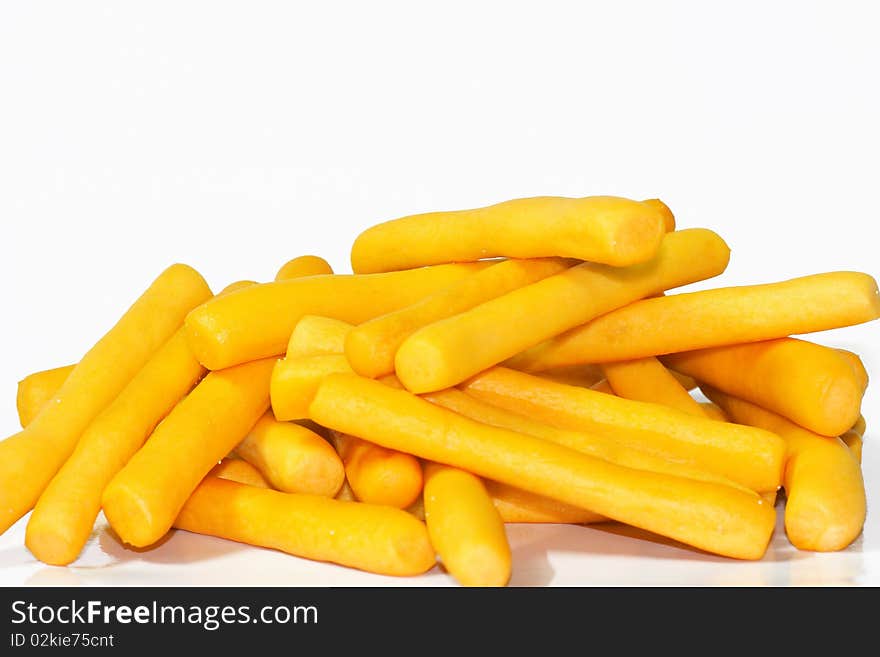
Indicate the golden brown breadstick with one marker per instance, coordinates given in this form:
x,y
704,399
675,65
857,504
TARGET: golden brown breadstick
x,y
857,365
606,229
375,538
710,516
646,379
747,455
30,458
447,352
722,316
378,475
465,528
314,335
292,458
302,266
825,493
371,347
295,380
603,446
374,474
257,322
36,389
65,513
143,499
814,386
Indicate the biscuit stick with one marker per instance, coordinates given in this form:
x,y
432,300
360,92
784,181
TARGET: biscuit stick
x,y
749,456
293,459
447,352
371,347
257,322
144,497
825,493
710,516
375,538
465,527
606,229
711,318
812,385
30,458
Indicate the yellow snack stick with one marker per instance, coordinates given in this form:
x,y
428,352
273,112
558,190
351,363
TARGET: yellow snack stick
x,y
314,335
714,412
646,379
853,440
710,516
379,475
825,493
65,513
747,455
237,285
664,212
374,538
517,505
292,458
447,352
579,375
142,500
465,528
371,346
315,349
857,365
302,266
30,458
235,469
376,474
611,230
601,383
812,385
36,389
722,316
513,505
257,322
295,380
607,447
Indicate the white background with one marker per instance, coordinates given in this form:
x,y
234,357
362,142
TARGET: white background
x,y
234,136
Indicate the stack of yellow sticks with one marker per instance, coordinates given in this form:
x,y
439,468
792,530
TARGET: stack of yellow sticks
x,y
520,362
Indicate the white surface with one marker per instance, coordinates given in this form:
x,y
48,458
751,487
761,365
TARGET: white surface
x,y
234,136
